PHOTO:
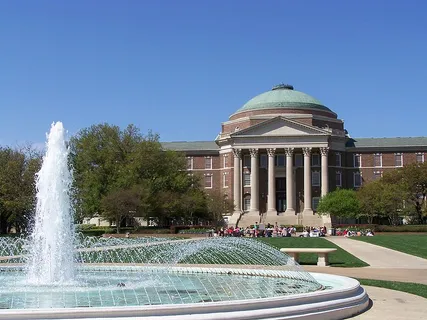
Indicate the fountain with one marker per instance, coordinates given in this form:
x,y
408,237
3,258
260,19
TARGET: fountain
x,y
55,275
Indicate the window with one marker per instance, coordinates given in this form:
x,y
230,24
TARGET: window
x,y
208,163
208,181
247,161
338,178
225,180
315,203
225,161
357,160
315,178
377,175
315,160
247,179
246,203
279,160
298,160
338,159
189,163
398,157
357,178
378,160
263,162
420,157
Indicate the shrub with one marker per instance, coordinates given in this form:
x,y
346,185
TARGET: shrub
x,y
194,231
403,228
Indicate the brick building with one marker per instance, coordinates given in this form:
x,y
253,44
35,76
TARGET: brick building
x,y
283,150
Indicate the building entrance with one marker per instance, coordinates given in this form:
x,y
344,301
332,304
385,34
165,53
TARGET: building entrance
x,y
280,194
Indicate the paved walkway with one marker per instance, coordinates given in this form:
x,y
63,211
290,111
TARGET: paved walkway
x,y
379,257
393,305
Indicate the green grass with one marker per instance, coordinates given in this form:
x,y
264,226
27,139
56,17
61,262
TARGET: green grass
x,y
339,258
415,244
409,287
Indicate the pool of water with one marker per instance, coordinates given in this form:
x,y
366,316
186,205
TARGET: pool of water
x,y
109,286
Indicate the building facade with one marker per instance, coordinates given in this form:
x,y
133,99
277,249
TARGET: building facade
x,y
282,151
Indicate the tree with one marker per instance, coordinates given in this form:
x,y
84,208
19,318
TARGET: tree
x,y
381,199
121,204
17,187
412,180
340,203
107,160
218,206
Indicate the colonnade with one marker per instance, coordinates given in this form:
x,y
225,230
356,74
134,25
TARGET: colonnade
x,y
290,186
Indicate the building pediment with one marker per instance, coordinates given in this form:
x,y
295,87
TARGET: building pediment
x,y
279,127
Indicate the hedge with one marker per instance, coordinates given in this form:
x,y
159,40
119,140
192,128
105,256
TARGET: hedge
x,y
384,228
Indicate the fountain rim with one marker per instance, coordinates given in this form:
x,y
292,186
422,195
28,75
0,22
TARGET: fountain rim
x,y
347,300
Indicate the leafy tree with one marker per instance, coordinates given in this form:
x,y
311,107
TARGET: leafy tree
x,y
369,198
412,180
340,203
17,187
123,203
218,206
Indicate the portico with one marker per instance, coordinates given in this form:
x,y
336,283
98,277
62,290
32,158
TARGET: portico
x,y
261,165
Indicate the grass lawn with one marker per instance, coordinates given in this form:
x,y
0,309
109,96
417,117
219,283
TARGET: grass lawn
x,y
415,244
339,258
409,287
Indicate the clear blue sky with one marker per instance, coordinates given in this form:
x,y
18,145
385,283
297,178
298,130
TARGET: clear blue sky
x,y
182,67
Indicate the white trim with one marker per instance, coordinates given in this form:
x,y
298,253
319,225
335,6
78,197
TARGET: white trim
x,y
354,179
360,160
224,180
376,172
401,159
340,174
191,163
246,174
211,162
422,157
204,180
381,160
340,157
313,173
225,161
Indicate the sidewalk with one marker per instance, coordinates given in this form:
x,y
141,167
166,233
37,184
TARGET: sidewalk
x,y
378,257
393,305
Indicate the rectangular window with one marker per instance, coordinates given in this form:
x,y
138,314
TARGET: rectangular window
x,y
279,160
246,204
247,161
357,178
247,179
315,178
263,161
338,178
298,160
315,160
225,180
208,163
420,157
398,160
357,160
315,203
189,163
377,175
225,161
378,160
208,181
338,159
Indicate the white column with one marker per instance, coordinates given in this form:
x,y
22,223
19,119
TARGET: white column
x,y
271,205
307,181
254,181
290,192
237,181
325,181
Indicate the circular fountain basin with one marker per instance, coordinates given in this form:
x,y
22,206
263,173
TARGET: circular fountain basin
x,y
174,292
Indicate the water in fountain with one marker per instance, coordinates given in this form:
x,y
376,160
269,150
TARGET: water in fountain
x,y
52,240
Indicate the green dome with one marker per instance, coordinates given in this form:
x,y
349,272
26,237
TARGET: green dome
x,y
283,96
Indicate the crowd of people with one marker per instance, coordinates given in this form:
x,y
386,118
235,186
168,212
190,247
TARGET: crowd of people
x,y
257,230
